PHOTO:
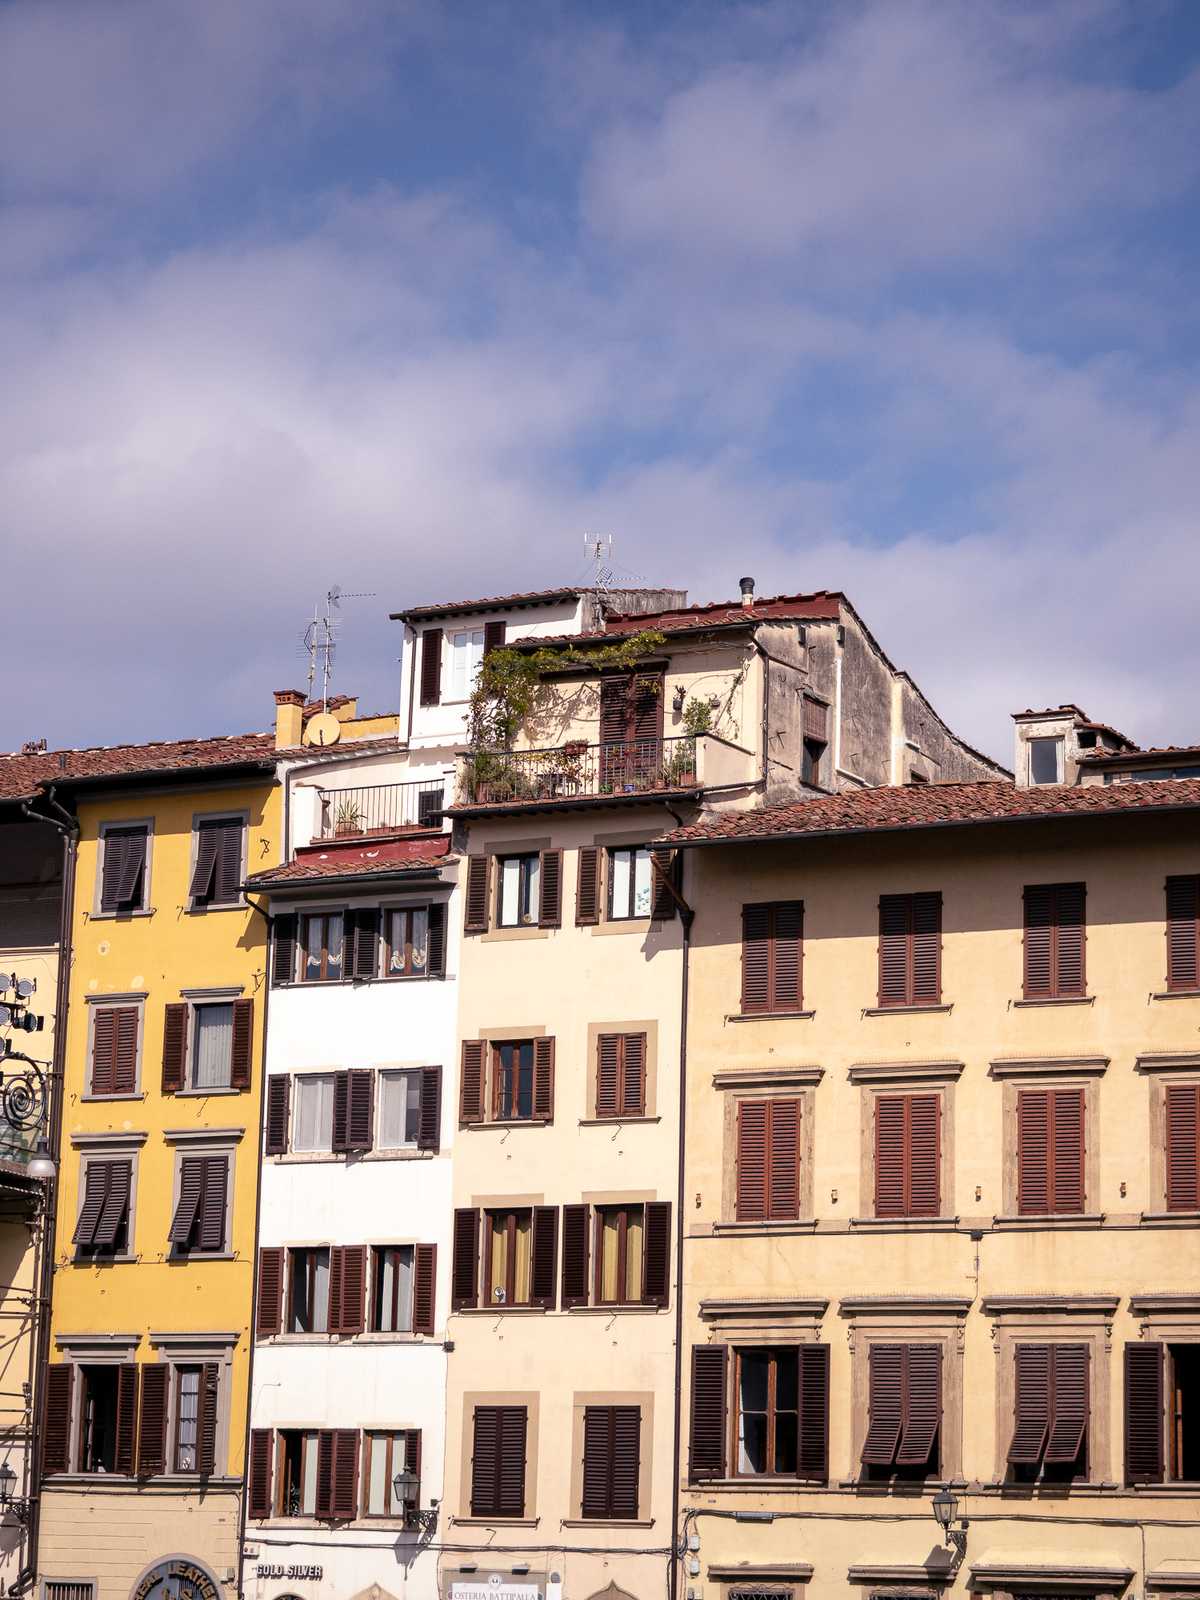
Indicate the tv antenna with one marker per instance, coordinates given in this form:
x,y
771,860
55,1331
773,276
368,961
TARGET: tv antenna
x,y
599,552
320,640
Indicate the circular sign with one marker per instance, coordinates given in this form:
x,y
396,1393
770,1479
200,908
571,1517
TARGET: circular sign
x,y
177,1578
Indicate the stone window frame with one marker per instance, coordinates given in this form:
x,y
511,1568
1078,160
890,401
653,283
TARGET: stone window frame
x,y
782,1578
1004,1582
228,814
648,1026
1056,1319
621,839
768,1083
195,1349
1015,1073
530,1399
92,1350
48,1584
1176,1067
494,851
194,999
905,1077
146,909
580,1400
115,1002
1168,1319
204,1142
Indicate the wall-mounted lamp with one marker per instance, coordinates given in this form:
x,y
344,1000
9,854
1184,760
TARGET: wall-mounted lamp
x,y
945,1510
9,1502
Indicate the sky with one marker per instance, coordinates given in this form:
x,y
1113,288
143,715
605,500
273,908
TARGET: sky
x,y
896,297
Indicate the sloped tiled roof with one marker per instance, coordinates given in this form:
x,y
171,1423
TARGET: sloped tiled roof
x,y
818,607
937,805
338,860
22,775
495,602
1135,756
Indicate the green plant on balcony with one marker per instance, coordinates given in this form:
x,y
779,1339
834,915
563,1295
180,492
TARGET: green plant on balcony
x,y
679,769
348,818
698,715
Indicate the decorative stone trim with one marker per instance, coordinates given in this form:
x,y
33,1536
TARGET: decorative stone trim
x,y
1062,1305
1164,1305
913,1305
131,997
905,1071
806,1077
1088,1580
117,1345
203,1135
1169,1061
1189,1581
193,1341
899,1573
130,1139
782,1571
226,992
811,1310
1040,1066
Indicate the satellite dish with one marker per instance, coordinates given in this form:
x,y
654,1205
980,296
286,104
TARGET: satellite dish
x,y
324,728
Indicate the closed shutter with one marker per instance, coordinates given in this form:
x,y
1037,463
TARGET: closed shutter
x,y
783,1160
362,943
1039,942
574,1256
472,1081
922,1403
1183,1146
907,1155
485,1461
1031,1419
633,1075
270,1291
498,1462
666,866
191,1191
1066,1107
1054,941
611,1461
656,1280
1070,935
1144,1389
114,1050
1033,1151
751,1201
543,1079
212,1210
464,1272
707,1428
1183,932
242,1045
429,1122
786,956
95,1191
924,1154
436,960
275,1142
152,1435
347,1288
431,666
262,1452
1051,1151
475,918
360,1108
812,1458
587,890
122,882
127,1410
1070,1416
229,861
550,889
206,1433
343,1500
424,1287
895,922
114,1213
885,1404
926,949
175,1024
910,949
756,958
889,1155
626,1460
283,953
56,1422
608,1069
493,636
544,1252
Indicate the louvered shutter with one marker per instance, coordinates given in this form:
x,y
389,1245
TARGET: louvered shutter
x,y
283,952
543,1079
475,900
191,1191
130,878
242,1046
278,1095
472,1081
361,1109
429,1122
783,1160
493,636
587,891
787,946
56,1418
152,1435
1069,941
270,1291
706,1456
125,1041
574,1256
127,1409
464,1272
343,1501
212,1210
175,1024
353,1288
204,871
229,861
812,1460
364,948
115,843
922,1403
751,1202
333,1312
1183,932
412,1459
485,1461
104,1038
324,1496
1067,1149
923,1154
608,1069
1039,942
1183,1146
633,1075
1033,1152
115,1211
616,716
1031,1419
756,958
656,1275
646,694
262,1451
550,889
95,1190
543,1289
431,666
816,719
886,1404
665,870
1069,1421
206,1431
889,1155
436,958
926,949
1144,1389
597,1461
424,1287
341,1110
895,922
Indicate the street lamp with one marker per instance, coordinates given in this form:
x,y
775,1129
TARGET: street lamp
x,y
945,1510
406,1489
41,1165
8,1500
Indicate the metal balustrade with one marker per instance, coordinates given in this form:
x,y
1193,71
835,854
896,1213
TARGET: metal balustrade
x,y
381,808
578,770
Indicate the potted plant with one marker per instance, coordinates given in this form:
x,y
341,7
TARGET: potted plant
x,y
348,818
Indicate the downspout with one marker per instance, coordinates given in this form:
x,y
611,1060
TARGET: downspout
x,y
766,669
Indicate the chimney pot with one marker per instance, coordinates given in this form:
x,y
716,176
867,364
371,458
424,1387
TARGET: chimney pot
x,y
289,718
746,585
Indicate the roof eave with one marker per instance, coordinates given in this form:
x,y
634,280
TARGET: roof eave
x,y
307,886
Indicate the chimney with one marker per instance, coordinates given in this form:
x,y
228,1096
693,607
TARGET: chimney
x,y
746,585
289,718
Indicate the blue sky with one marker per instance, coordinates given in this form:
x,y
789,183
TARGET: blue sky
x,y
894,297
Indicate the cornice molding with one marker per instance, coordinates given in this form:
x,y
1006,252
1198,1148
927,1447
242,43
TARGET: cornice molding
x,y
810,1310
1034,1066
796,1571
1169,1061
905,1071
203,1135
806,1077
1071,1305
912,1305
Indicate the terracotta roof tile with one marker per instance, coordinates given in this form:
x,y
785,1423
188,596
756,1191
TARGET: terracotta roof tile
x,y
495,602
332,862
819,607
22,775
1135,755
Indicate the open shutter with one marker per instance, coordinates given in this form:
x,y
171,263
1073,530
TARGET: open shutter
x,y
361,1115
112,870
212,1208
543,1079
1144,1390
656,1280
587,890
131,877
270,1291
895,923
1183,1146
464,1272
1070,1419
191,1190
493,636
544,1252
436,959
1067,1149
783,1160
1031,1410
574,1256
424,1287
922,1403
429,1123
56,1419
229,861
242,1048
787,945
812,1460
608,1070
262,1451
890,1150
706,1458
886,1404
475,918
665,870
343,1501
550,889
152,1435
472,1081
926,949
362,943
276,1141
1183,932
412,1459
174,1046
283,952
923,1153
1033,1152
333,1314
324,1497
95,1191
204,873
751,1203
756,958
1070,935
431,666
341,1110
127,1409
115,1211
206,1433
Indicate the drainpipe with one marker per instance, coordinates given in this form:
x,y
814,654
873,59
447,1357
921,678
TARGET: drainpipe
x,y
765,734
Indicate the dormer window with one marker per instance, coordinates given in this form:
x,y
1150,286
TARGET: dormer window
x,y
1045,761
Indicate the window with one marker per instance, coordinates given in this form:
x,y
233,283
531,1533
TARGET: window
x,y
621,1075
297,1473
322,940
905,1410
768,1412
431,666
910,949
810,762
772,945
1050,1151
83,1590
816,739
391,1289
508,1257
1045,760
466,652
123,853
498,1461
399,1109
1183,932
1162,1395
207,1046
316,1473
406,953
308,1290
522,1080
103,1225
768,1160
917,778
517,890
907,1155
389,1454
1049,1442
116,1031
1054,941
611,1462
187,1418
620,1246
629,883
780,1412
199,1223
107,1417
312,1124
212,1047
217,869
335,1111
1182,1113
512,1080
616,1255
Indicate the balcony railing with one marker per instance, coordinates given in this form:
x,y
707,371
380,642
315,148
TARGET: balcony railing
x,y
381,808
578,771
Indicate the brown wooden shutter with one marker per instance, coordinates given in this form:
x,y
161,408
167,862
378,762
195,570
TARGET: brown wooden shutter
x,y
1068,1424
812,1457
175,1030
889,1155
926,981
895,924
95,1192
361,1123
278,1095
885,1404
493,636
324,1496
127,1410
424,1287
464,1271
229,861
125,1042
152,1435
350,1272
191,1192
587,890
1069,940
104,1039
611,1461
1055,935
472,1081
633,1075
1183,932
341,1110
1183,1146
1033,1151
485,1460
550,889
751,1199
115,842
1039,942
242,1048
783,1160
475,901
431,666
270,1291
262,1453
923,1154
412,1458
1144,1390
616,717
211,1234
922,1403
123,874
665,871
362,943
333,1313
436,959
56,1419
608,1069
429,1122
343,1498
206,1433
1067,1149
114,1213
543,1079
707,1430
756,958
498,1461
656,1277
283,953
543,1290
787,945
1031,1409
574,1256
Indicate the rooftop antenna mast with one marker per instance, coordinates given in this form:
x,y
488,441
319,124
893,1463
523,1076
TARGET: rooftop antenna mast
x,y
320,640
599,551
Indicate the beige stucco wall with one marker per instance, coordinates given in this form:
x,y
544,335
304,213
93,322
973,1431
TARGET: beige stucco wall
x,y
831,1257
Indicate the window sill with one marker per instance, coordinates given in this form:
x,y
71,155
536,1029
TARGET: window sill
x,y
1177,1487
193,1258
903,1224
115,1480
1066,1000
904,1011
280,1524
795,1225
1177,994
610,1122
125,1260
1170,1219
1043,1221
635,1308
494,1522
606,1522
501,1122
121,916
770,1016
104,1099
203,911
339,1339
203,1094
499,1311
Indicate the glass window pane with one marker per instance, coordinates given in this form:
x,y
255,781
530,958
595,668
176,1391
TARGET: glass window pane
x,y
212,1047
510,888
397,939
786,1367
525,1080
333,964
1043,760
188,1402
498,1262
610,1244
529,897
785,1442
633,1254
377,1500
320,1304
752,1442
621,864
313,1121
399,1109
754,1370
308,1491
641,883
420,938
313,938
521,1277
